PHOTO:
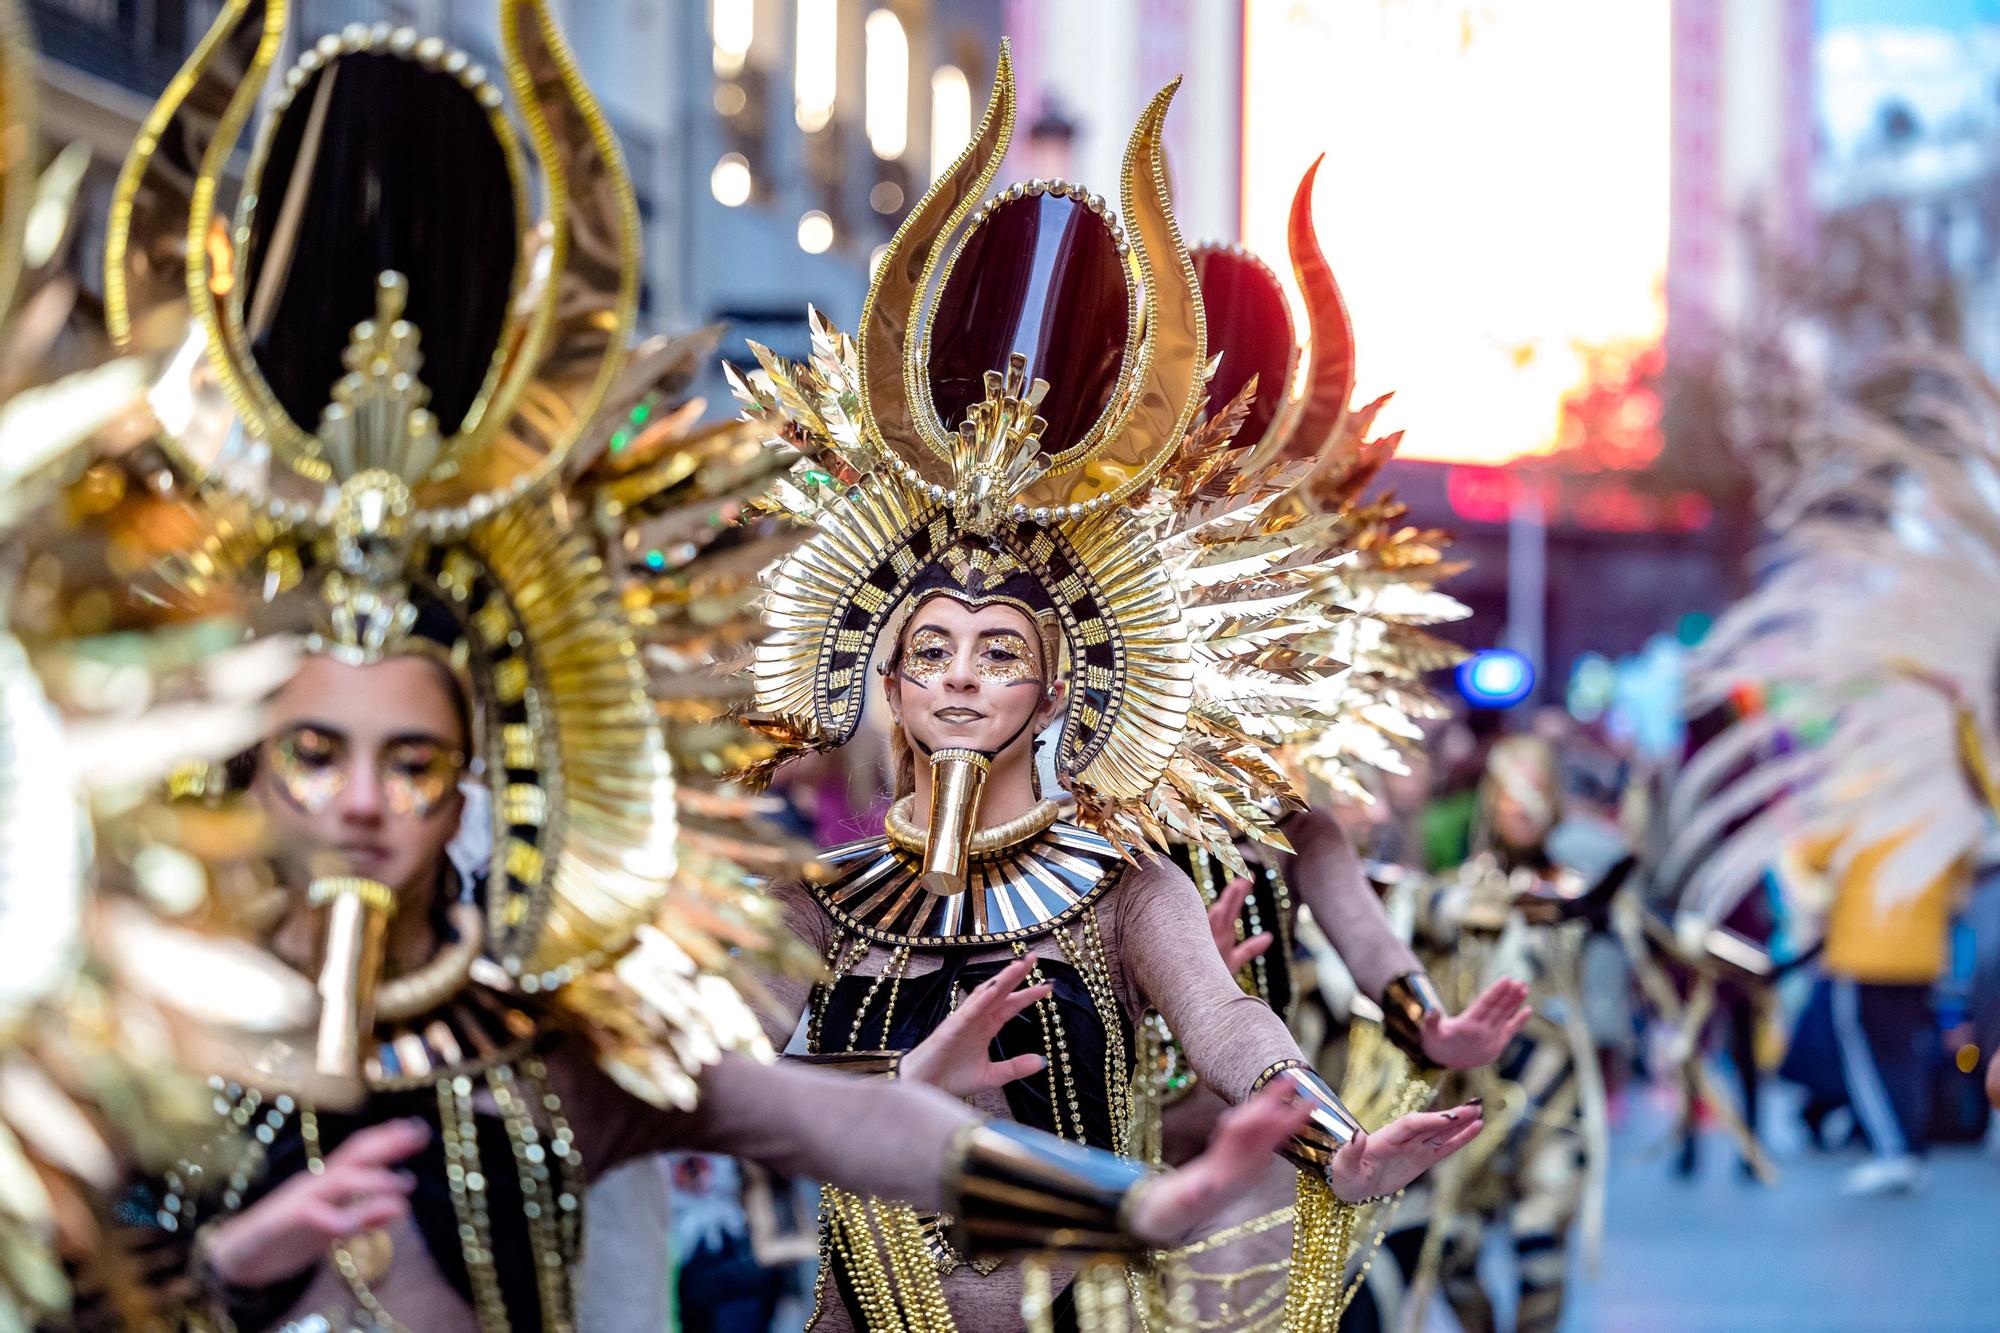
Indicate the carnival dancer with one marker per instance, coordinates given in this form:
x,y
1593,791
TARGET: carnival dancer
x,y
1516,909
1016,521
1855,770
487,1039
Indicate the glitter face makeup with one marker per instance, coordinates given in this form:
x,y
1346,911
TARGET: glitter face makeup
x,y
999,659
312,768
928,657
1006,659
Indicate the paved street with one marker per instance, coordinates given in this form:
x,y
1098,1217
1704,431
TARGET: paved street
x,y
1722,1254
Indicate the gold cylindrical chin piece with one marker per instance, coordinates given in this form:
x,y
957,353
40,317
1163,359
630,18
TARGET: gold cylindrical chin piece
x,y
357,926
957,778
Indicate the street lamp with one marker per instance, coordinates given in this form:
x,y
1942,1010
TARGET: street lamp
x,y
816,63
732,25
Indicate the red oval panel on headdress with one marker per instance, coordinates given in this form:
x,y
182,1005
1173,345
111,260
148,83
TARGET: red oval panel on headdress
x,y
1040,276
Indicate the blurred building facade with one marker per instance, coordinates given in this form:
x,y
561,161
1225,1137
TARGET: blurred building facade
x,y
775,144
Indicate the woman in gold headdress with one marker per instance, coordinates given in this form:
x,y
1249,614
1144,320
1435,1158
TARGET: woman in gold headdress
x,y
1516,908
1073,551
375,423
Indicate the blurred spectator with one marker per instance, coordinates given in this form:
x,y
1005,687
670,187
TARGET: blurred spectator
x,y
1883,960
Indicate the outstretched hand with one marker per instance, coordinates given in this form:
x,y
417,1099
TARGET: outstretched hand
x,y
1478,1036
1372,1165
1170,1208
954,1057
1222,916
289,1229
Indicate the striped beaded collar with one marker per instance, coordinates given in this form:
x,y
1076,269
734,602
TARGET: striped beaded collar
x,y
1016,893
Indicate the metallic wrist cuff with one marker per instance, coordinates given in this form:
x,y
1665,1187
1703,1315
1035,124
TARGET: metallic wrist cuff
x,y
1012,1188
1332,1126
1406,1002
861,1064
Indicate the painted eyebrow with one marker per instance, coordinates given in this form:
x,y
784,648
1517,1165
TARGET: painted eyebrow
x,y
309,724
418,738
983,634
400,738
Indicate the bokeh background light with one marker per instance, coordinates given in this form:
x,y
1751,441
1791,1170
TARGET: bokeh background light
x,y
1514,225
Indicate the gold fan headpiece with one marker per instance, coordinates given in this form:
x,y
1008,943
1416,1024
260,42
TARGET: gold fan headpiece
x,y
1301,414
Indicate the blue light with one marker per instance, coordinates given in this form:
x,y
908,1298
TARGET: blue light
x,y
1496,678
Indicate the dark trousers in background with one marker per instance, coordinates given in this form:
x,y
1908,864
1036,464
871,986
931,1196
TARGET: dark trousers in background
x,y
1889,1052
723,1289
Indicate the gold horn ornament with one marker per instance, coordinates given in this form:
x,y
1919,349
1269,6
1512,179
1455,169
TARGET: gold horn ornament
x,y
957,779
357,924
888,369
566,309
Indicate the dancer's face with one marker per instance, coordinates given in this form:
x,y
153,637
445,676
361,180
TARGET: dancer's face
x,y
971,678
360,766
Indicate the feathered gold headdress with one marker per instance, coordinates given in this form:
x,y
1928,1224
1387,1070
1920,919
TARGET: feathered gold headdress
x,y
1382,599
1189,592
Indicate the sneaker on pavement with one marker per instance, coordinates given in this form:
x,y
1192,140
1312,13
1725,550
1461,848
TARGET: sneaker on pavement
x,y
1884,1175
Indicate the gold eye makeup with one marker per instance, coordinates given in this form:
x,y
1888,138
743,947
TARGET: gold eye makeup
x,y
313,767
417,776
1006,659
309,766
927,658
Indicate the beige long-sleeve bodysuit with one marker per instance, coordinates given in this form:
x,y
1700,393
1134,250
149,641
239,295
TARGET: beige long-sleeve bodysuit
x,y
885,1138
1152,925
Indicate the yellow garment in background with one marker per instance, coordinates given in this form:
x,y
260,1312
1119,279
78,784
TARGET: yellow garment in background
x,y
1887,944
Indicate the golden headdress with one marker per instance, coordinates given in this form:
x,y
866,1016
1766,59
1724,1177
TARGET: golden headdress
x,y
1074,352
390,358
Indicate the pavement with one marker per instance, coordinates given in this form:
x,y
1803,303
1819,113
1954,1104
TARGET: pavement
x,y
1720,1254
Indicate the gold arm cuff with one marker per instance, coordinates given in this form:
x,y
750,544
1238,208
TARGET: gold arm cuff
x,y
1332,1126
1014,1189
859,1064
1406,1002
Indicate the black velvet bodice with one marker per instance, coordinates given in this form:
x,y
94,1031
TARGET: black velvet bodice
x,y
923,1001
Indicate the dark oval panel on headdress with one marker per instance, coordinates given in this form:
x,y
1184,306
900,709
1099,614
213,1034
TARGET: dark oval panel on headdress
x,y
1041,276
379,163
1250,324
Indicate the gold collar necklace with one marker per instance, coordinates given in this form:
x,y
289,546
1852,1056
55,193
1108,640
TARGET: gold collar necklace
x,y
986,842
423,990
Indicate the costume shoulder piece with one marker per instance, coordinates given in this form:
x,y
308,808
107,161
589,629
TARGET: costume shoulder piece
x,y
1024,400
390,357
1013,893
